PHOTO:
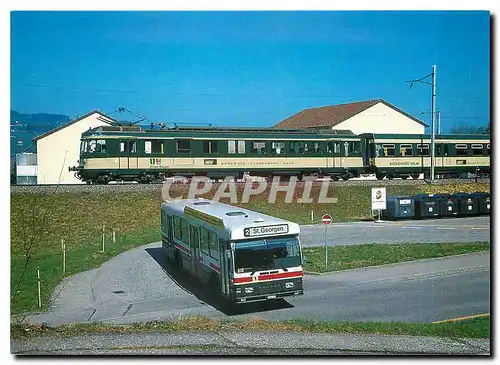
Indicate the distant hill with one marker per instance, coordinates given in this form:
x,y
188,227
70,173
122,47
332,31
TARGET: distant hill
x,y
25,127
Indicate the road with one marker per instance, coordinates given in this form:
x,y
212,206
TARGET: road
x,y
135,286
414,231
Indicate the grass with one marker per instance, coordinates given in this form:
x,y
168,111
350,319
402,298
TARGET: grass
x,y
40,221
356,256
472,328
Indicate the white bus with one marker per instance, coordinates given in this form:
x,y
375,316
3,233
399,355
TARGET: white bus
x,y
243,256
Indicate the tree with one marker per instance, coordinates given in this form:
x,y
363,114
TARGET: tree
x,y
469,129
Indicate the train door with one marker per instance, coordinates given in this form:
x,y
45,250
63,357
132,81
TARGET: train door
x,y
195,244
132,160
128,154
337,152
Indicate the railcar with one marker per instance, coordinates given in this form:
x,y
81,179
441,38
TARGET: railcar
x,y
132,153
405,155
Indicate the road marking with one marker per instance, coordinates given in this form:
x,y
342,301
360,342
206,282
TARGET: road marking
x,y
417,227
479,228
462,318
445,228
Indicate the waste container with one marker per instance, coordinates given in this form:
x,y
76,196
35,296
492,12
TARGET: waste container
x,y
448,205
467,205
483,202
427,206
399,207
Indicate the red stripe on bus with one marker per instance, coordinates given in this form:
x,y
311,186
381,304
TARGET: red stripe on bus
x,y
269,277
187,250
215,267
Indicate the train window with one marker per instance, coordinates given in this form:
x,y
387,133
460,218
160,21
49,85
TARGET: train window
x,y
406,150
204,241
101,146
423,149
209,146
278,148
231,147
259,147
92,145
297,147
123,147
84,146
477,149
153,146
461,149
241,147
446,149
488,148
214,245
177,228
185,231
132,146
389,149
183,146
353,147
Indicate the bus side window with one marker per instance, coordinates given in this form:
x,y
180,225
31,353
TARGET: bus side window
x,y
204,241
177,228
214,245
185,231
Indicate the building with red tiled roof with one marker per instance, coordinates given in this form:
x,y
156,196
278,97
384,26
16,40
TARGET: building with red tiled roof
x,y
372,116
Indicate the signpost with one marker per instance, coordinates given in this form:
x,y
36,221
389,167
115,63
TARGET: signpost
x,y
378,201
326,219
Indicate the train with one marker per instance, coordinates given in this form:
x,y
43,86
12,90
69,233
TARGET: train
x,y
146,155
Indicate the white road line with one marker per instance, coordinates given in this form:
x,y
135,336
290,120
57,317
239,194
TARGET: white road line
x,y
445,228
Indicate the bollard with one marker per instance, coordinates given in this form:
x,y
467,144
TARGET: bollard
x,y
312,215
39,289
114,238
63,247
103,227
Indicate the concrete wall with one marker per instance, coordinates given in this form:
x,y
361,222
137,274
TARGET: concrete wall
x,y
60,150
381,119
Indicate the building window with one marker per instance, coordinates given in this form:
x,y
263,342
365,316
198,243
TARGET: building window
x,y
423,149
278,148
153,146
477,149
204,241
183,146
406,150
259,147
461,149
214,245
389,149
210,147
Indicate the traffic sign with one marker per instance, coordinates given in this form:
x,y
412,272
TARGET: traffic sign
x,y
378,199
326,219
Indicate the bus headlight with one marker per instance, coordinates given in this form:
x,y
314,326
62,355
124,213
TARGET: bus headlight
x,y
248,290
289,285
238,290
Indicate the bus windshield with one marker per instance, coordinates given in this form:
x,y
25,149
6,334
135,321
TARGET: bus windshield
x,y
266,254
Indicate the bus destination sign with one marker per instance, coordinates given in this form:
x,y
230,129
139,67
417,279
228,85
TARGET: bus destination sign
x,y
266,230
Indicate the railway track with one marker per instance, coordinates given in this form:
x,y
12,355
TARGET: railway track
x,y
134,187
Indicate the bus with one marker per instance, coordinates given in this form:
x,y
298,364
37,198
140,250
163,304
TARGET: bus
x,y
241,255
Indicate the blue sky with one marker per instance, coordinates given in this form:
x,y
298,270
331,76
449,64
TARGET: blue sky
x,y
248,68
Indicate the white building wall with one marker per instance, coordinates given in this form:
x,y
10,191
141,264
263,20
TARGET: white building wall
x,y
61,149
381,119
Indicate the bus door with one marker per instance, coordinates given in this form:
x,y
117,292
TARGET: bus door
x,y
226,267
195,244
